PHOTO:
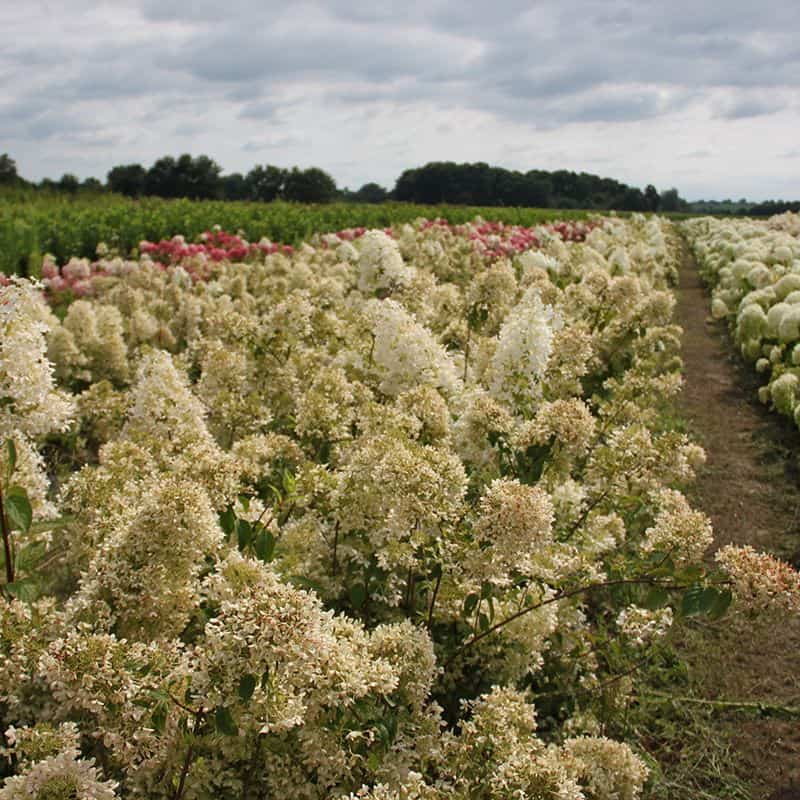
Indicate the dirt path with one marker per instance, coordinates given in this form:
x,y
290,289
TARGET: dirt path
x,y
750,488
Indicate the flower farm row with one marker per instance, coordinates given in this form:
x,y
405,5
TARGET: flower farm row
x,y
389,515
753,268
32,225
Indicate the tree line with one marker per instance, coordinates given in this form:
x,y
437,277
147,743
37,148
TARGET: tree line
x,y
475,184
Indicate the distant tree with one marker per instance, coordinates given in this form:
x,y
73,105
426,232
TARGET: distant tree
x,y
8,169
91,185
633,200
538,188
481,184
234,186
405,187
651,197
369,193
127,179
770,207
311,185
161,179
670,200
198,178
69,183
505,188
265,183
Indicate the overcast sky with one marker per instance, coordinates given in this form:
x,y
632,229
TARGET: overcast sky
x,y
688,93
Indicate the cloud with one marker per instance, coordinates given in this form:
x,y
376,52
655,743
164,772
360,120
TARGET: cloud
x,y
750,107
368,91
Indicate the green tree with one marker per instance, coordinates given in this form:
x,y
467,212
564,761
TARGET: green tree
x,y
127,179
198,178
311,185
671,200
651,197
91,185
265,183
69,183
234,186
369,193
8,169
162,178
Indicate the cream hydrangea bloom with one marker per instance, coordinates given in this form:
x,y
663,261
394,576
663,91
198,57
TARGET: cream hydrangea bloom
x,y
523,349
60,777
29,402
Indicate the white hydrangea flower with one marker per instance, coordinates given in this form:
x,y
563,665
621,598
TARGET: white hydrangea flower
x,y
62,776
642,625
29,402
380,263
523,350
405,353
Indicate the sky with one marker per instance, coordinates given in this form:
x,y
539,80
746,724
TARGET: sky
x,y
693,94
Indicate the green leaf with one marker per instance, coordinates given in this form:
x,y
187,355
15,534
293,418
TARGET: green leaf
x,y
470,603
691,573
288,481
224,722
655,598
265,545
27,557
227,520
690,603
358,595
383,734
11,448
483,622
707,599
247,685
159,718
245,533
19,509
721,604
265,678
25,589
306,583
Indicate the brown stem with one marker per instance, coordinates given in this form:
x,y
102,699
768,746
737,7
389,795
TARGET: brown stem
x,y
335,567
433,599
585,515
8,551
764,709
561,596
409,588
466,352
187,761
592,689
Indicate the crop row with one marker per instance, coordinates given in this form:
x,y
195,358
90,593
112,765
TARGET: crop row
x,y
31,226
753,269
390,517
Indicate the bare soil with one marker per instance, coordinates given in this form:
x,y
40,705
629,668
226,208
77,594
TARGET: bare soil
x,y
750,487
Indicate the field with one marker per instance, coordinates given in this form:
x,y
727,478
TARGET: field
x,y
356,502
35,223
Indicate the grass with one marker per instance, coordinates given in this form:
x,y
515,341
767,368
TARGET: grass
x,y
689,746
